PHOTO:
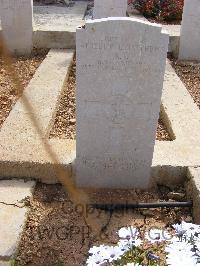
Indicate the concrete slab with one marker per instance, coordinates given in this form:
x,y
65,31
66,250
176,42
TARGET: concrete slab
x,y
11,226
179,111
12,215
4,263
54,18
193,191
14,191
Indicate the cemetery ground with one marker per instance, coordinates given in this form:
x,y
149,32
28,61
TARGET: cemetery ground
x,y
57,230
39,224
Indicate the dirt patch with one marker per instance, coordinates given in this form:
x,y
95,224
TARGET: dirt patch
x,y
189,73
25,68
65,121
56,228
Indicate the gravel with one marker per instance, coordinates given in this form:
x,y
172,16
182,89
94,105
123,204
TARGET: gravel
x,y
65,121
56,229
25,68
189,73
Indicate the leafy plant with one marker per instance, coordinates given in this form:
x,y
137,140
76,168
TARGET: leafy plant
x,y
138,256
59,263
166,10
14,263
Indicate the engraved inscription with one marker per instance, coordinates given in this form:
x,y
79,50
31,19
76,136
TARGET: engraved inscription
x,y
111,162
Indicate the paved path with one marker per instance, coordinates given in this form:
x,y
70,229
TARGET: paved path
x,y
13,214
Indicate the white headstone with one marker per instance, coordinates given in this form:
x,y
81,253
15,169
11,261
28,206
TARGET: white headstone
x,y
109,8
16,20
120,69
190,31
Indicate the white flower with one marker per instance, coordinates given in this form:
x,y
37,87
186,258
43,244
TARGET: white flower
x,y
95,259
100,255
95,249
128,232
113,253
186,230
180,254
126,244
181,261
157,235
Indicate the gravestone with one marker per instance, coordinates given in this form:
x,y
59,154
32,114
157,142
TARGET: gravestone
x,y
190,31
16,20
120,69
109,8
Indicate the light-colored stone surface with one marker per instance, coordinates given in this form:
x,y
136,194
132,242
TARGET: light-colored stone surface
x,y
109,8
190,31
193,191
52,18
12,220
180,108
12,215
119,86
16,20
4,263
54,39
13,191
172,30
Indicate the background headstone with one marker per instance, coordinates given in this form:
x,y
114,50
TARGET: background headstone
x,y
190,31
109,8
120,69
16,20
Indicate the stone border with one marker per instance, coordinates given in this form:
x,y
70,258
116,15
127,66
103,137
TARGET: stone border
x,y
13,215
193,191
22,153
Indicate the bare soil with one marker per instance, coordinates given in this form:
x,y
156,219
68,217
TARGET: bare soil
x,y
25,68
57,230
189,73
65,121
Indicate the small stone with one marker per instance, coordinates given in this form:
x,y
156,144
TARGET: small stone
x,y
188,219
148,212
72,121
176,196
